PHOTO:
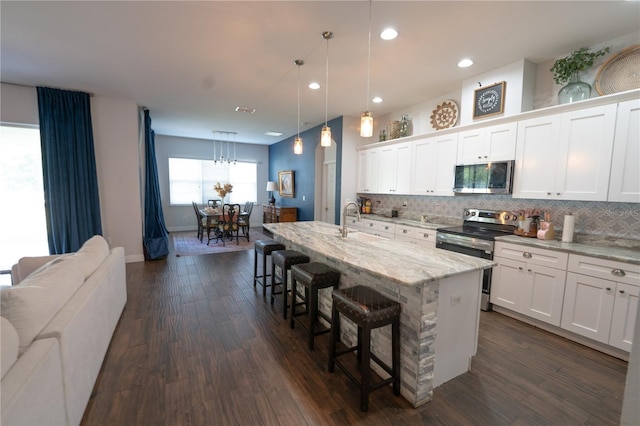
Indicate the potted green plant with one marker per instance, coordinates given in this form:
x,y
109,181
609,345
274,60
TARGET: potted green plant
x,y
568,70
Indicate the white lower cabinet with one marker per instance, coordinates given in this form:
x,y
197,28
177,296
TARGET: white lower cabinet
x,y
414,235
524,283
601,300
588,306
379,228
625,309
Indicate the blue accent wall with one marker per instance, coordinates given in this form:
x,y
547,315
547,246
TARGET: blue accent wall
x,y
281,157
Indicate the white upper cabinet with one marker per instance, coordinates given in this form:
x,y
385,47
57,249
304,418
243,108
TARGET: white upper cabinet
x,y
565,156
394,175
368,167
489,144
433,162
536,157
624,184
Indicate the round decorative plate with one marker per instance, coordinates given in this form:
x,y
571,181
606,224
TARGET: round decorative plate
x,y
445,115
620,73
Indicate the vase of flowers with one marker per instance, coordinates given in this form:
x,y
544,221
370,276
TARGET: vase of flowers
x,y
567,70
223,190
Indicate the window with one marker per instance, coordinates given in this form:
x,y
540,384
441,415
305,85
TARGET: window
x,y
22,217
193,180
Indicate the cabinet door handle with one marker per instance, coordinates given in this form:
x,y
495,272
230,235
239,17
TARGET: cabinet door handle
x,y
608,288
618,272
425,235
386,227
621,291
520,268
404,231
529,270
557,193
526,255
548,193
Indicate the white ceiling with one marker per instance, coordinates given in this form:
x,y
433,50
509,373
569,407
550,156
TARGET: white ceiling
x,y
192,63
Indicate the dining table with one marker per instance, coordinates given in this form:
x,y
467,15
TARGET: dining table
x,y
212,214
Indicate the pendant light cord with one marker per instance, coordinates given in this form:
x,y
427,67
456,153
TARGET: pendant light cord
x,y
369,57
326,85
298,64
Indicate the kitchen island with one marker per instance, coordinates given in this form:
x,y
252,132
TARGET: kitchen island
x,y
439,292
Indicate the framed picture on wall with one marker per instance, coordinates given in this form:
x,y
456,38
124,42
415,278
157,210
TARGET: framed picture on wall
x,y
285,183
489,100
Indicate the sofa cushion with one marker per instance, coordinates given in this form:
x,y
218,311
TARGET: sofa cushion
x,y
92,253
31,305
8,345
28,265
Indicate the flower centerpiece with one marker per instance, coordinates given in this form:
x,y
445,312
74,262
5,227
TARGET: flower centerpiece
x,y
223,190
568,70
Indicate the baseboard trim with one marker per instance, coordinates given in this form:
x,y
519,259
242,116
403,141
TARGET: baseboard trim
x,y
609,350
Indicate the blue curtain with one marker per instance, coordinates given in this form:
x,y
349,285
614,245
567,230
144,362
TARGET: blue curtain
x,y
69,168
156,236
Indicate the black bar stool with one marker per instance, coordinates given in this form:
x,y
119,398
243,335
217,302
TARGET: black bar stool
x,y
368,309
313,277
284,259
265,248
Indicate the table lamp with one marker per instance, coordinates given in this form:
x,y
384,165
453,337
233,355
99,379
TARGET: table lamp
x,y
272,186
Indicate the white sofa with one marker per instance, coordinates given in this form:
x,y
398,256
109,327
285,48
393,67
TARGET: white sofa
x,y
56,325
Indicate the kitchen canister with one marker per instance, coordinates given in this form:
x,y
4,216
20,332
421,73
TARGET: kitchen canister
x,y
568,228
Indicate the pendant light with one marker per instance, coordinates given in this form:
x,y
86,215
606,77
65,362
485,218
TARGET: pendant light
x,y
325,135
297,143
366,120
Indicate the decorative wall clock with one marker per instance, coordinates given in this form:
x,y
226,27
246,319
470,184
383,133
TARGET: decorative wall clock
x,y
445,115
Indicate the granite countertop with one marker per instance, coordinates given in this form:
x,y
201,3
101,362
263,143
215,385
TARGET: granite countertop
x,y
601,247
393,260
431,223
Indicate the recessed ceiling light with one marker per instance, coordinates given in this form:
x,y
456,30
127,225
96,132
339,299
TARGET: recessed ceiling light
x,y
465,63
388,34
377,100
245,109
314,86
273,133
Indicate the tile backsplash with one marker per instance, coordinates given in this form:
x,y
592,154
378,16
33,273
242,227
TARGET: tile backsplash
x,y
599,218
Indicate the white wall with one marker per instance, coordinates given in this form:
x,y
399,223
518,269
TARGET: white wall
x,y
518,76
115,128
351,141
547,90
529,86
115,132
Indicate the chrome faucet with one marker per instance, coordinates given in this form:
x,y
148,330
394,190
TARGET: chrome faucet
x,y
344,231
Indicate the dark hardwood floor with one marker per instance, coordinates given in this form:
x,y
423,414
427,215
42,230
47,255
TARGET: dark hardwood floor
x,y
197,345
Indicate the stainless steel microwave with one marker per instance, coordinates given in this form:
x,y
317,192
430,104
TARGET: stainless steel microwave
x,y
486,178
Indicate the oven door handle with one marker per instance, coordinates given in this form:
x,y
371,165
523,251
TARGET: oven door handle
x,y
464,241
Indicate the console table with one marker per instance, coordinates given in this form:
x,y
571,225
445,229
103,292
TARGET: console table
x,y
275,214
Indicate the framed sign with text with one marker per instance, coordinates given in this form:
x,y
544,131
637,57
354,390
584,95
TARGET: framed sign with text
x,y
489,100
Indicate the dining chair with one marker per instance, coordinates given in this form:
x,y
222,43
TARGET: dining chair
x,y
199,220
243,220
228,223
214,204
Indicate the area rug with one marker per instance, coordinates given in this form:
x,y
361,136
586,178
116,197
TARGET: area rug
x,y
188,244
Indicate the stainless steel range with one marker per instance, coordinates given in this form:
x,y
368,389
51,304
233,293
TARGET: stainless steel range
x,y
476,238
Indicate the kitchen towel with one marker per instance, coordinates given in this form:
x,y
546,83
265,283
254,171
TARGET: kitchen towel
x,y
568,228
